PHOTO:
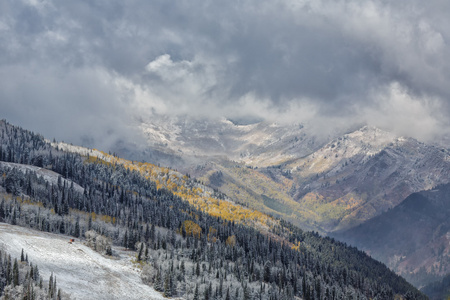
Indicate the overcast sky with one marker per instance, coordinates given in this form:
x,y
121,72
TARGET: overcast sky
x,y
86,71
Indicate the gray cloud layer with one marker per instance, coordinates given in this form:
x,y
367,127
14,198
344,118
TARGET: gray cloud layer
x,y
86,70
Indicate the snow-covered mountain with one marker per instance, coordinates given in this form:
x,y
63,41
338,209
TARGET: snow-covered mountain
x,y
320,182
258,144
324,183
369,171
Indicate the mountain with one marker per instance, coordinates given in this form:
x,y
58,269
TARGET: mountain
x,y
184,142
322,183
366,172
413,238
187,239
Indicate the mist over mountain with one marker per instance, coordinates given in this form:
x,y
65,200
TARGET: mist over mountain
x,y
97,69
321,183
325,182
323,113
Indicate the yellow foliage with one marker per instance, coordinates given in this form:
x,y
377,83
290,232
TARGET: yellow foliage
x,y
212,235
231,241
181,186
296,247
192,228
106,218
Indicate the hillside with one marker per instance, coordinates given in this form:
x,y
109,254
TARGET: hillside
x,y
325,184
438,290
79,270
413,238
340,185
322,183
185,248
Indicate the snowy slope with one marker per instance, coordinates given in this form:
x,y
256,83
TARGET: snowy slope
x,y
79,271
47,175
257,144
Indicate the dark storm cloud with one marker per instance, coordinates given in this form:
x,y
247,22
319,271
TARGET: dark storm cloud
x,y
86,70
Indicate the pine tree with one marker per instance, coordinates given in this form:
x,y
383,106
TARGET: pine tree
x,y
196,296
227,297
125,239
246,293
16,273
141,250
76,232
197,269
36,273
54,287
50,286
158,281
167,287
206,294
267,274
146,252
182,269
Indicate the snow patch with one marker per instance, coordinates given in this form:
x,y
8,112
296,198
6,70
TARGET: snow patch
x,y
79,271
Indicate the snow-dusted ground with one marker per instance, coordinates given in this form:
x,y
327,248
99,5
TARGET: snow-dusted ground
x,y
79,270
48,175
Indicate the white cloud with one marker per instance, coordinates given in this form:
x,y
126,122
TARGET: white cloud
x,y
399,111
317,61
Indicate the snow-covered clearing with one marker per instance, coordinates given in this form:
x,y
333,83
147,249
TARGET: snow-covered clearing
x,y
79,270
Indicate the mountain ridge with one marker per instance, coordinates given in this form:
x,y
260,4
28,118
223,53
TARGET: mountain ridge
x,y
120,202
331,184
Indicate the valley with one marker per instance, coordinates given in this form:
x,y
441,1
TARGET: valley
x,y
326,184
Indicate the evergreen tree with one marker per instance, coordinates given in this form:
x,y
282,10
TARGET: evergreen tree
x,y
196,296
141,250
158,281
267,274
50,286
227,297
16,273
167,286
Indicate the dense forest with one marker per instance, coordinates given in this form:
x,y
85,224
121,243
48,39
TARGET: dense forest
x,y
439,289
183,251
